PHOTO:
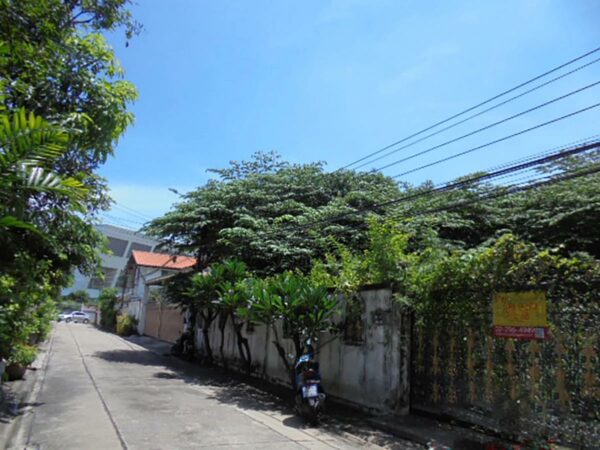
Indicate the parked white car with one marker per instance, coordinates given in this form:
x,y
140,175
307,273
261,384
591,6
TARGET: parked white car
x,y
75,316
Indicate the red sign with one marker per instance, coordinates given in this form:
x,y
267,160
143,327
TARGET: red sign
x,y
505,331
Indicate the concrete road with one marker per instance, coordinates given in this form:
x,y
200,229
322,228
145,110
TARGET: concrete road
x,y
98,391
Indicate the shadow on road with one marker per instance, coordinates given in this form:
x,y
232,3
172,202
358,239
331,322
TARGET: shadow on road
x,y
141,357
10,405
245,392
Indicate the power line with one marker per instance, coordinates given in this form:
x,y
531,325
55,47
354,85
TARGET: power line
x,y
516,189
496,141
115,222
410,144
122,219
472,107
461,184
487,127
131,211
546,152
135,211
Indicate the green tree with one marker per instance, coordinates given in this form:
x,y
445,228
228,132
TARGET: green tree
x,y
80,296
235,293
225,275
274,216
196,294
60,67
63,105
55,63
303,308
107,302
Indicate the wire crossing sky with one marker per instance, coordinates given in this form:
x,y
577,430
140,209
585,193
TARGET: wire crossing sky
x,y
336,80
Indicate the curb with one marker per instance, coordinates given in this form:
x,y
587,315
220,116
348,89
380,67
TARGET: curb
x,y
16,433
403,433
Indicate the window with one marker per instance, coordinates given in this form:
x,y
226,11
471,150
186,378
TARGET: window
x,y
140,247
354,325
117,246
122,279
109,277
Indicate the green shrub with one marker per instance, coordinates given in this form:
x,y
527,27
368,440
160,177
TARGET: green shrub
x,y
108,308
126,325
23,354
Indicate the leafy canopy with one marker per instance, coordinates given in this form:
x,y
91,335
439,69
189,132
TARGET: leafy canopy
x,y
272,215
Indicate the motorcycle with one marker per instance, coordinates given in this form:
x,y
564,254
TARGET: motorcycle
x,y
310,396
184,346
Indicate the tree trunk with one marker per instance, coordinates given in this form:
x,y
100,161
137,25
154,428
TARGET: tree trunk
x,y
207,319
298,345
283,356
222,324
242,343
207,349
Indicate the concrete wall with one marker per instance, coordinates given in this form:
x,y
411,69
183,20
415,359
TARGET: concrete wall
x,y
372,374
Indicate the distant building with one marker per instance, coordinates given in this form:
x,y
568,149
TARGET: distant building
x,y
121,242
144,269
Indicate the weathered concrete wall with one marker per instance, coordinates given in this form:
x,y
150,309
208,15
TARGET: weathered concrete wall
x,y
372,374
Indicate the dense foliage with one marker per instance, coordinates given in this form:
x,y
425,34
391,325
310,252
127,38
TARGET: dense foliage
x,y
107,303
561,215
290,304
63,106
444,255
272,215
302,307
126,325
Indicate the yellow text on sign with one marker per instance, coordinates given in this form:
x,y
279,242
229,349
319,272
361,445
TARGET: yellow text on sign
x,y
520,309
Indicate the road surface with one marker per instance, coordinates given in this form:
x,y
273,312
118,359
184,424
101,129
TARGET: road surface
x,y
99,391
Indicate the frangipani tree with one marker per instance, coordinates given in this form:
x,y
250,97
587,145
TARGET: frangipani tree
x,y
304,308
234,302
201,294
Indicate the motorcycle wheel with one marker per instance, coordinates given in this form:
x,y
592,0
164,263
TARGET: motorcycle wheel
x,y
308,413
312,416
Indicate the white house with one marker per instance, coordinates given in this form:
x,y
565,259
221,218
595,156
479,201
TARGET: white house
x,y
121,242
163,322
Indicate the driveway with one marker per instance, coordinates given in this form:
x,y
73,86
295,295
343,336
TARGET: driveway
x,y
99,391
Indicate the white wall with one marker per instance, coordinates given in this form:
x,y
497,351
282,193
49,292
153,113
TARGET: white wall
x,y
372,375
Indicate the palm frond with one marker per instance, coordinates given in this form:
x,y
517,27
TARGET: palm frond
x,y
29,137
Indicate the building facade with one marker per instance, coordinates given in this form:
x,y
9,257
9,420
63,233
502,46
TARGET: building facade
x,y
121,243
155,318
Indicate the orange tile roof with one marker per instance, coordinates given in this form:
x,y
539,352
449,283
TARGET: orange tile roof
x,y
162,260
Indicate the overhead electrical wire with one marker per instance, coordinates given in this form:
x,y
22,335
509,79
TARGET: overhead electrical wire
x,y
487,127
473,116
115,222
496,141
546,153
122,219
485,102
516,189
131,211
465,183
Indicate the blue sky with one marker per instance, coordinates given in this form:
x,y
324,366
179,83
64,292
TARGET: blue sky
x,y
334,80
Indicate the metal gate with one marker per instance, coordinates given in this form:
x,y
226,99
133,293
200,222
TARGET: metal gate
x,y
164,322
